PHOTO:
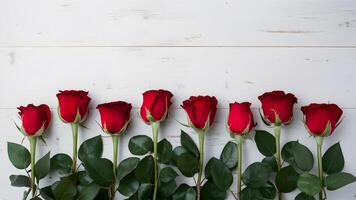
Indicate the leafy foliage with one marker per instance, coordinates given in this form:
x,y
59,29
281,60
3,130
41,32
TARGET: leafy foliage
x,y
333,159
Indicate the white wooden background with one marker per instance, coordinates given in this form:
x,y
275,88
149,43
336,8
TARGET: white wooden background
x,y
233,49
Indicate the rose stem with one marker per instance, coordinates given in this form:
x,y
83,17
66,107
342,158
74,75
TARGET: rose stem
x,y
33,141
239,141
115,142
155,127
319,142
277,135
75,143
201,134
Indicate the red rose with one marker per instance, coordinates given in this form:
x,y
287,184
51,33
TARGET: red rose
x,y
277,107
155,103
200,109
73,105
115,116
321,119
240,119
35,119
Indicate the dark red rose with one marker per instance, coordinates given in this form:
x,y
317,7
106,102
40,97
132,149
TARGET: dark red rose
x,y
73,105
277,105
156,102
240,119
200,109
321,119
35,119
115,116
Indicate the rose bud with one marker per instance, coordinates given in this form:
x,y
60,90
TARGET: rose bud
x,y
277,107
321,119
73,105
115,116
35,119
201,111
240,119
155,105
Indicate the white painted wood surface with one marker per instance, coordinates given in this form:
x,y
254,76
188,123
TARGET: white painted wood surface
x,y
178,22
235,50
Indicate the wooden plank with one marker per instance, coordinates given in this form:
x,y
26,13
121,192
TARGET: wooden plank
x,y
34,75
178,23
59,140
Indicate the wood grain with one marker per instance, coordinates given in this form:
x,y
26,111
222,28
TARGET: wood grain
x,y
178,23
34,75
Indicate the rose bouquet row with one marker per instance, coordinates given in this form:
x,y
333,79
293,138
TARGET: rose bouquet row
x,y
152,173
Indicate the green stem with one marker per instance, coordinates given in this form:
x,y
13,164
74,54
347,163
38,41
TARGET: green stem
x,y
115,142
319,142
33,141
201,134
239,141
75,144
277,135
155,128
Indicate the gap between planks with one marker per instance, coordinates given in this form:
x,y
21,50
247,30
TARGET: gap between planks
x,y
171,46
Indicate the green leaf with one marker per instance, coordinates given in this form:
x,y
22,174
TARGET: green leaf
x,y
46,193
177,152
338,180
140,145
221,174
257,175
309,184
287,151
208,168
91,149
251,194
286,179
103,194
303,157
265,142
144,170
126,167
229,155
84,178
264,193
61,163
210,191
167,174
333,159
272,162
303,196
187,164
269,191
145,191
89,192
188,143
184,192
72,177
166,189
19,156
128,185
42,166
64,189
164,151
298,155
20,181
101,171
